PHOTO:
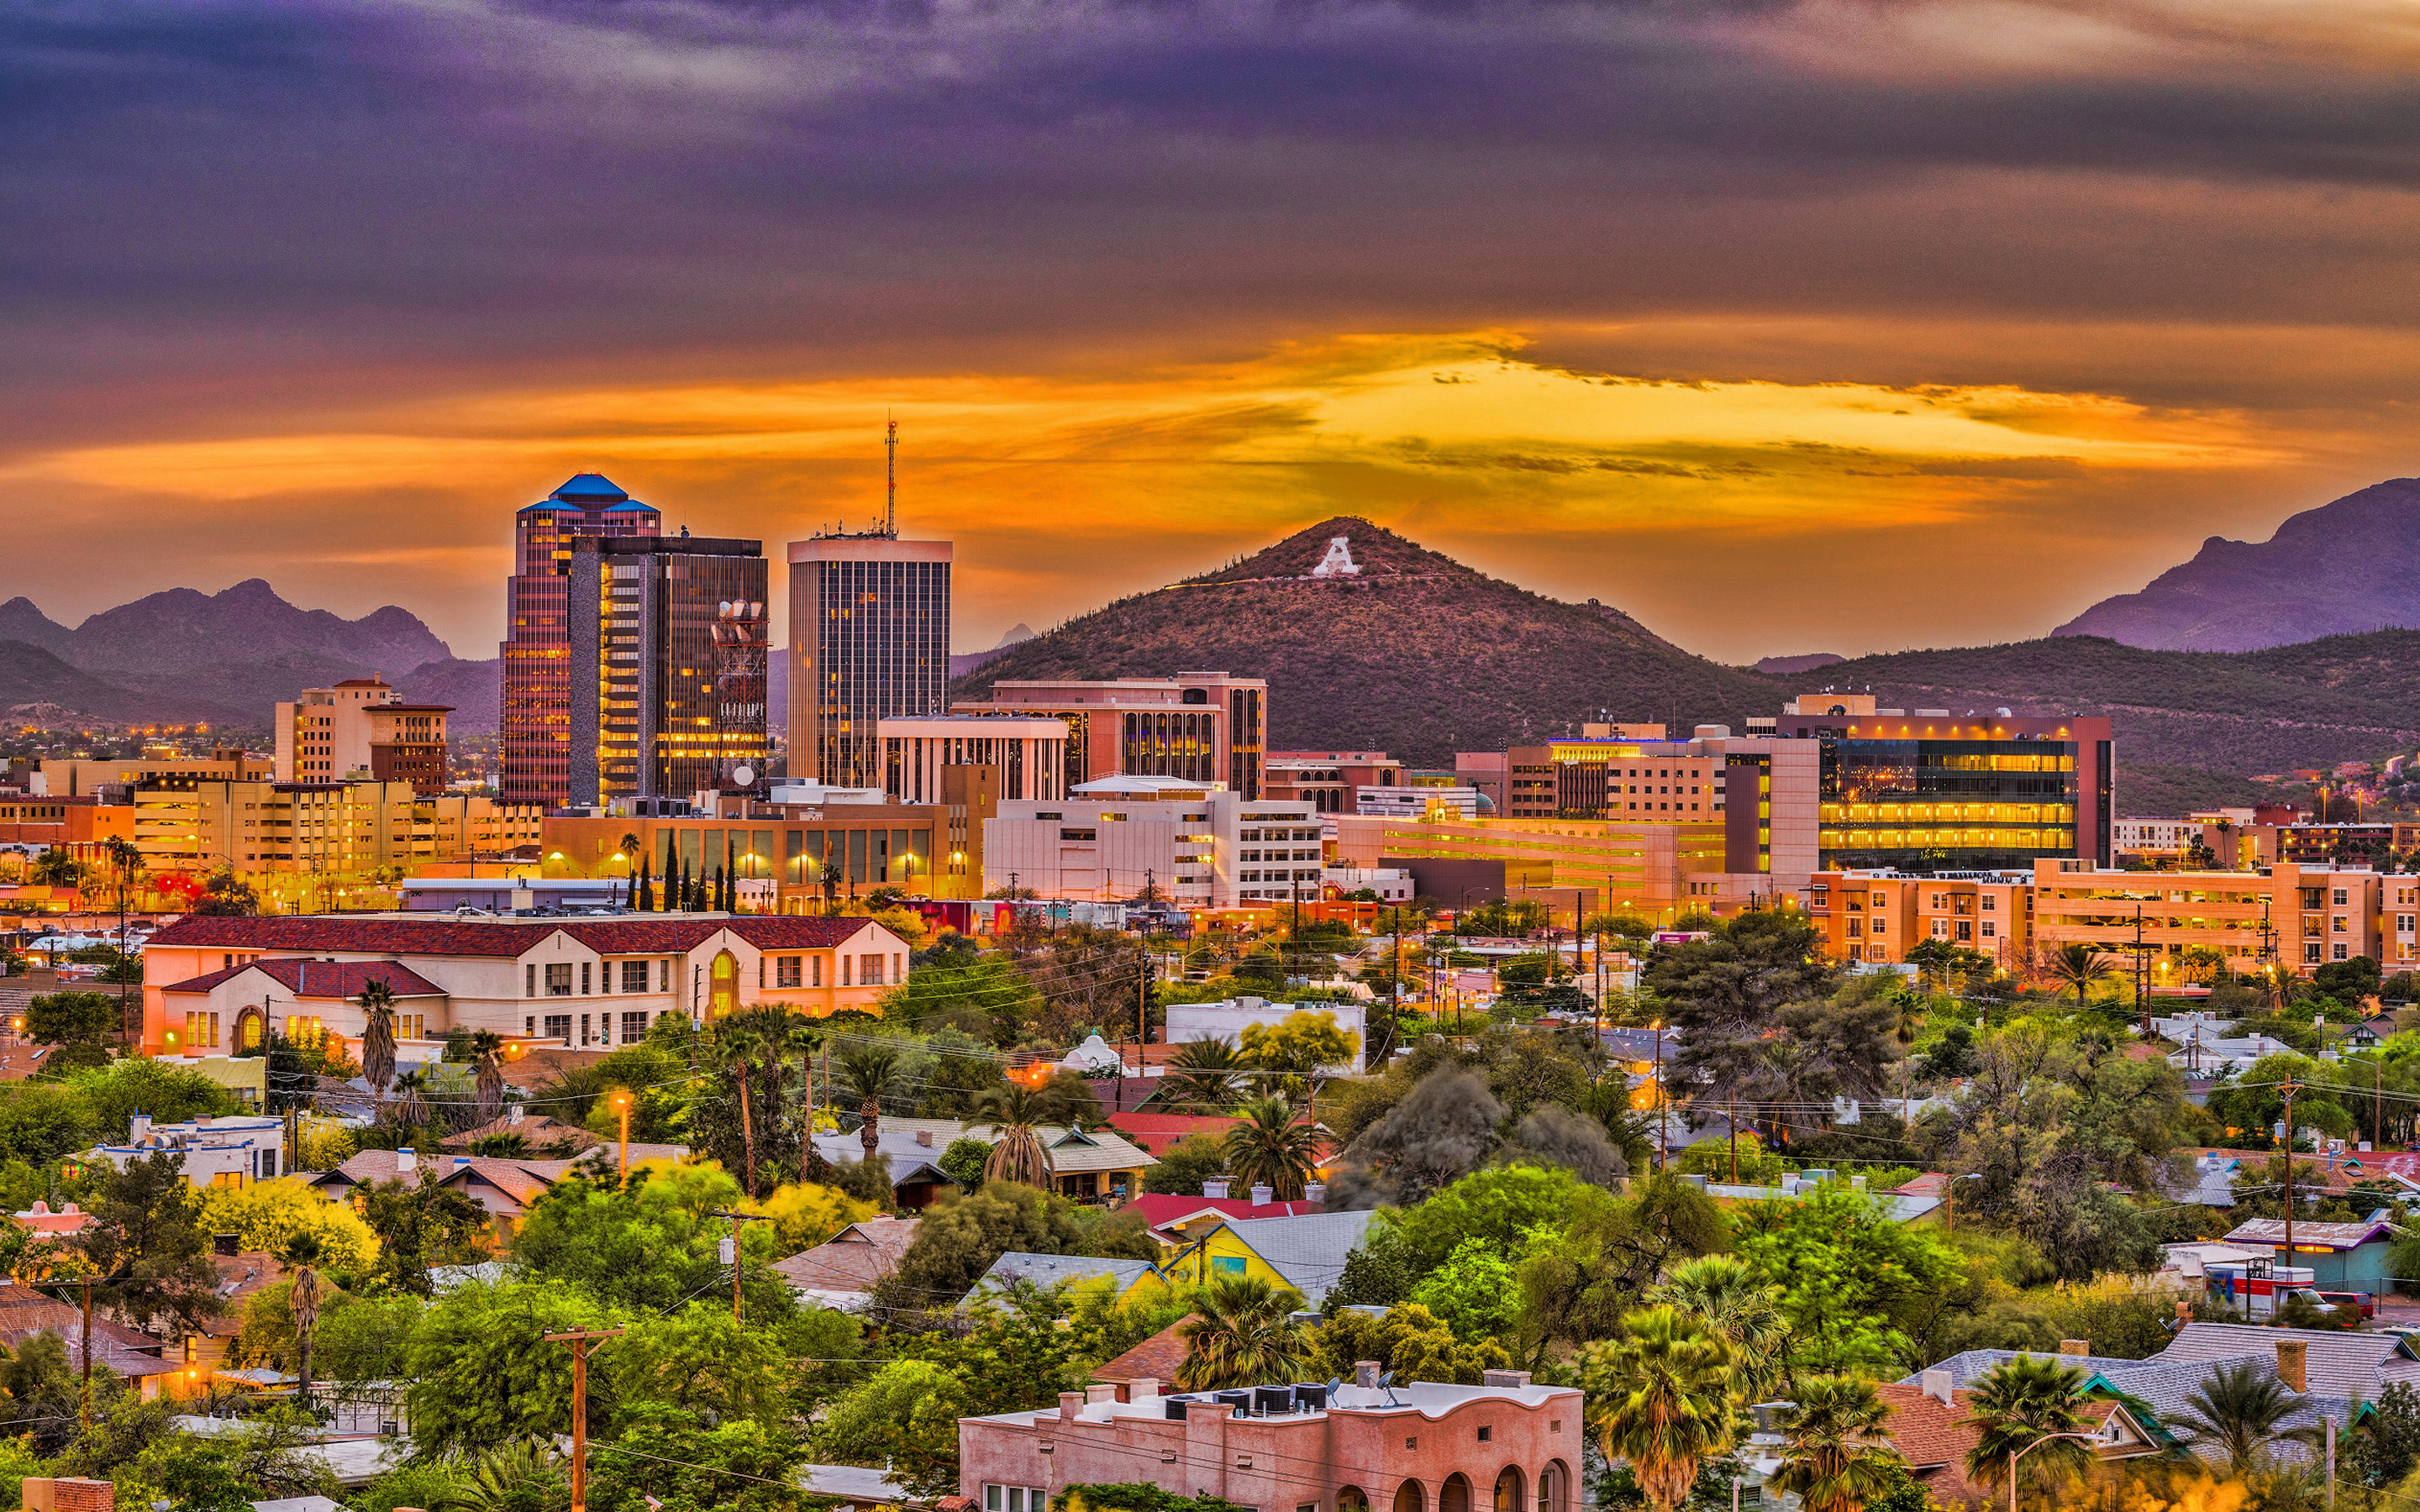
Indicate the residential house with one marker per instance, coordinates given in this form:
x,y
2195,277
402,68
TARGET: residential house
x,y
1098,1167
1155,1132
542,1133
1155,1361
1126,1280
507,1189
1418,1447
1927,1425
227,1152
2331,1365
25,1312
844,1270
242,1274
1306,1252
1178,1220
2342,1257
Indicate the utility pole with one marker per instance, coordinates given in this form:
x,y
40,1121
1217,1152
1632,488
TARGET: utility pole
x,y
1730,1118
580,1339
2289,1089
736,1219
2142,977
622,1106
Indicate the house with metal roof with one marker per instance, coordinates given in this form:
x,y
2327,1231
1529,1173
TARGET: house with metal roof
x,y
2342,1257
1088,1165
1125,1278
1306,1252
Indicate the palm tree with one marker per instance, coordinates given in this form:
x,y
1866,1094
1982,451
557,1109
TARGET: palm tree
x,y
869,1074
1017,1155
739,1048
1241,1331
411,1100
831,880
2078,967
2238,1410
303,1254
1205,1073
1741,1312
1272,1147
57,868
488,1060
1661,1397
377,1033
1833,1457
510,1477
2018,1405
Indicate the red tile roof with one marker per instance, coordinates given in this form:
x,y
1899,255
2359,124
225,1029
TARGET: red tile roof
x,y
330,980
1155,1132
637,934
1159,1208
1929,1435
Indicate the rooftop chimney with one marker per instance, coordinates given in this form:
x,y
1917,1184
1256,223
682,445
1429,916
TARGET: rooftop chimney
x,y
1070,1404
1260,1195
226,1243
1936,1385
925,1137
1314,1192
2292,1357
1214,1188
1365,1373
138,1128
2079,1347
404,1162
1142,1388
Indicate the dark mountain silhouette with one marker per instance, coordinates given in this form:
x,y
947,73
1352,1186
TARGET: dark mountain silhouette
x,y
1793,666
22,622
1413,652
2341,568
472,687
39,688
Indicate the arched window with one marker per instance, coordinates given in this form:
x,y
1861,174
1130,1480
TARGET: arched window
x,y
1454,1496
723,985
1554,1486
1352,1498
1410,1497
247,1030
1508,1490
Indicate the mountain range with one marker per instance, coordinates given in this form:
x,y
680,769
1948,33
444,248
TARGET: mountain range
x,y
186,656
2341,568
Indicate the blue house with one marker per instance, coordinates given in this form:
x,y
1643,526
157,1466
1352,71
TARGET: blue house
x,y
2342,1257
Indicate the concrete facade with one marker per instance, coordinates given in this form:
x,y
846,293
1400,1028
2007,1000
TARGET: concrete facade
x,y
1201,848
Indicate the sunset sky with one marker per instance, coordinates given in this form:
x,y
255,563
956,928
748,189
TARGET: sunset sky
x,y
1787,327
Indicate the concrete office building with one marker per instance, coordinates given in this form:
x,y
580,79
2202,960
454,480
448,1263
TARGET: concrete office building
x,y
1197,727
1030,754
361,727
1328,781
869,641
1202,847
2297,917
534,713
668,658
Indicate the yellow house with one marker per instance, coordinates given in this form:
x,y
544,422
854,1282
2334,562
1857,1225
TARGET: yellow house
x,y
1306,1253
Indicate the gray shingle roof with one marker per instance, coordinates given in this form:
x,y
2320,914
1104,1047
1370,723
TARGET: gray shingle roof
x,y
2335,1363
1046,1270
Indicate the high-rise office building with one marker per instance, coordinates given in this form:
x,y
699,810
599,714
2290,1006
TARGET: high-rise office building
x,y
535,720
667,660
869,641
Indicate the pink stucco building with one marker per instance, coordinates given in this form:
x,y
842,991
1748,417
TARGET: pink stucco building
x,y
1422,1447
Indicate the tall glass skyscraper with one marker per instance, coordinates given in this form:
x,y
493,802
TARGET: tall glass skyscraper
x,y
869,640
667,666
534,721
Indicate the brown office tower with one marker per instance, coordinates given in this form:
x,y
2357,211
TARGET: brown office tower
x,y
667,667
869,640
535,720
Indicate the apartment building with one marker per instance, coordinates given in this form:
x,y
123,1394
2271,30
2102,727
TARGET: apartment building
x,y
1030,754
592,982
361,727
1202,847
1205,727
327,828
2297,916
1881,915
111,779
1659,868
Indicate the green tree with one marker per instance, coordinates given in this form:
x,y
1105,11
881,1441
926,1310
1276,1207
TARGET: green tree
x,y
1241,1331
1660,1398
483,1374
420,1226
76,1024
1204,1077
1834,1457
964,1161
1744,1311
2019,1405
145,1236
869,1074
1853,1280
1499,1208
1473,1293
1012,1113
1187,1164
904,1417
2078,967
1409,1340
1298,1047
652,1245
727,1465
1273,1145
957,1242
705,1362
376,1002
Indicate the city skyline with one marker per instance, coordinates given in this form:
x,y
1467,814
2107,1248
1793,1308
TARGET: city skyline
x,y
1616,302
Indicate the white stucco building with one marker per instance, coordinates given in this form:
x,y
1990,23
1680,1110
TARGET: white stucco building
x,y
1189,1022
1198,844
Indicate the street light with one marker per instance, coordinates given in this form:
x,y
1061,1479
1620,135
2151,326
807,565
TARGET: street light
x,y
2016,1455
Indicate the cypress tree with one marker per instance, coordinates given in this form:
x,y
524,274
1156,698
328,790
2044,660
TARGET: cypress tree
x,y
639,895
722,891
687,903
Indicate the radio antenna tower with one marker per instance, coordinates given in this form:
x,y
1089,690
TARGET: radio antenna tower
x,y
891,480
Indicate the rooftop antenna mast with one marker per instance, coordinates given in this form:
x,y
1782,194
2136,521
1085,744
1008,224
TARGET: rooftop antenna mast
x,y
891,480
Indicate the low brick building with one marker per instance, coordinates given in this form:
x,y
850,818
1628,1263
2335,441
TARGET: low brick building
x,y
1423,1447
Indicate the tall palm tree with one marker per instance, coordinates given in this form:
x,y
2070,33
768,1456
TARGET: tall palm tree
x,y
2078,967
1272,1147
488,1061
1741,1312
1013,1112
377,1033
831,880
1206,1073
739,1048
2238,1410
410,1098
1661,1399
1241,1331
513,1475
302,1254
2018,1405
869,1074
1833,1456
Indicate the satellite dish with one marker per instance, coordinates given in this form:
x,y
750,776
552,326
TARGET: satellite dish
x,y
744,776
